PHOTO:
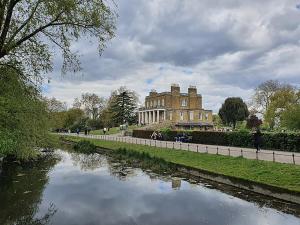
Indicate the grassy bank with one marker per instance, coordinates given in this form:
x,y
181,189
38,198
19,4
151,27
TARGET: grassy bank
x,y
276,174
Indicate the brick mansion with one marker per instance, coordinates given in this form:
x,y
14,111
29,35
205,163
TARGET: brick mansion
x,y
183,109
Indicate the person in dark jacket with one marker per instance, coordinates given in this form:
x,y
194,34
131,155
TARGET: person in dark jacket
x,y
257,140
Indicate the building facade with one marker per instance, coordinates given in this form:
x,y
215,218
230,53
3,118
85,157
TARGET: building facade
x,y
182,109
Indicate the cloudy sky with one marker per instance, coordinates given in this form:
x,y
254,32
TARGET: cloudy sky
x,y
224,47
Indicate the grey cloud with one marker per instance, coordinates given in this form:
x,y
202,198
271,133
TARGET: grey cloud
x,y
231,43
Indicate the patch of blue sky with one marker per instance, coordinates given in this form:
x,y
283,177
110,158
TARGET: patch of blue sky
x,y
45,88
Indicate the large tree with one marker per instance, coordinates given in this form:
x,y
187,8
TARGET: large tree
x,y
233,110
280,102
264,92
123,105
54,105
29,29
91,103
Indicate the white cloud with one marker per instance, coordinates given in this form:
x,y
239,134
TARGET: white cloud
x,y
226,48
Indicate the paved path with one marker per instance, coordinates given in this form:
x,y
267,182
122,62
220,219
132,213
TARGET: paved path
x,y
267,155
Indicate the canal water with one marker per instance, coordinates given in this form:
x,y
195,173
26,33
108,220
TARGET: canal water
x,y
72,188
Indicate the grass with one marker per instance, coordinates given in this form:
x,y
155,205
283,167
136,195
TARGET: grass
x,y
113,130
281,175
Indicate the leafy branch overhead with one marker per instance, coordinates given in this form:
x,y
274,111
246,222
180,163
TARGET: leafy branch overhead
x,y
31,29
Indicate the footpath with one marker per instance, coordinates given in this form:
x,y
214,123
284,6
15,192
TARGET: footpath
x,y
249,153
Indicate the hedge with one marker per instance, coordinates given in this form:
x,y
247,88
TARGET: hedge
x,y
273,141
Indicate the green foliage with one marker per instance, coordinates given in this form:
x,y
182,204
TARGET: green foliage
x,y
291,117
123,106
233,110
33,27
85,146
23,116
281,101
217,121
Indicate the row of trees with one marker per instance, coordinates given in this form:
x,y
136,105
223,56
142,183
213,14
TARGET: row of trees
x,y
276,103
93,111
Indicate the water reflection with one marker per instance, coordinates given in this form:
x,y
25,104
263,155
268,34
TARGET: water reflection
x,y
95,189
21,189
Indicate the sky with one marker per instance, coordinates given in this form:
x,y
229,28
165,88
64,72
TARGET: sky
x,y
224,47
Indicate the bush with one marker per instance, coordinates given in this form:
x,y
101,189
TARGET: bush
x,y
23,117
271,140
85,147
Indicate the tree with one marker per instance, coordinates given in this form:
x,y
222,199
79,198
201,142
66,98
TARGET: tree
x,y
281,101
55,105
217,120
253,122
23,116
91,103
123,105
73,116
264,93
29,29
291,117
233,110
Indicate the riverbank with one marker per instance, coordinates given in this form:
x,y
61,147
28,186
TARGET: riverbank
x,y
283,176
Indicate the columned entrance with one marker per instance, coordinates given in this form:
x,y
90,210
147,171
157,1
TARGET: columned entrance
x,y
151,116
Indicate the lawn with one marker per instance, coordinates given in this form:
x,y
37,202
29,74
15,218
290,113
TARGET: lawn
x,y
276,174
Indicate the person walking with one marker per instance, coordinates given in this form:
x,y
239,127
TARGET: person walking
x,y
77,131
104,130
257,140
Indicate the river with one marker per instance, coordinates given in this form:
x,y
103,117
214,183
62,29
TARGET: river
x,y
73,188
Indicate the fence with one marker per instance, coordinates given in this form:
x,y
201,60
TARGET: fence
x,y
275,156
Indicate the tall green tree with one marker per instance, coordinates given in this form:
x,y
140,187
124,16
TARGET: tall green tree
x,y
233,110
123,106
29,29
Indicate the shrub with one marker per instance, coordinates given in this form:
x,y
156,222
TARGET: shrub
x,y
85,147
271,140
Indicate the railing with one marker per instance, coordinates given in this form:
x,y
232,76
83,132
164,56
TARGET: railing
x,y
267,155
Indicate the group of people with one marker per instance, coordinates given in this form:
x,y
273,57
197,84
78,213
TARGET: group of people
x,y
156,135
182,138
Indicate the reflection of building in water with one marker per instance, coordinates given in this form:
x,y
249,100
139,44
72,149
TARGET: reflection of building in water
x,y
176,184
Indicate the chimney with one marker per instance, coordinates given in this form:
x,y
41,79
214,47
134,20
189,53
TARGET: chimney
x,y
153,92
192,90
175,89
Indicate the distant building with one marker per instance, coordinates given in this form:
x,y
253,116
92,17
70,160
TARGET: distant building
x,y
183,109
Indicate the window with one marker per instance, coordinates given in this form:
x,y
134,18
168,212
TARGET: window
x,y
206,116
158,102
154,103
183,102
147,104
181,115
200,116
163,102
191,115
171,115
151,104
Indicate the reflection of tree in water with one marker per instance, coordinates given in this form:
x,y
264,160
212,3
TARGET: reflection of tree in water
x,y
87,161
21,189
120,169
